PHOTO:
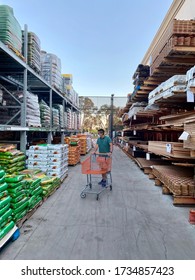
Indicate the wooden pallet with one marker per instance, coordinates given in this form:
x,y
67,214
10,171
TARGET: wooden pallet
x,y
12,235
20,222
16,52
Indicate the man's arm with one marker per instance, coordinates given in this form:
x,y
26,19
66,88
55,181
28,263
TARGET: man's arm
x,y
96,148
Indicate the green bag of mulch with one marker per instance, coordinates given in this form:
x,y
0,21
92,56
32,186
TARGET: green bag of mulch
x,y
3,187
6,229
37,191
13,179
4,209
21,208
18,198
20,215
19,193
34,200
3,194
47,180
19,203
5,216
15,190
15,185
2,179
4,201
2,173
3,224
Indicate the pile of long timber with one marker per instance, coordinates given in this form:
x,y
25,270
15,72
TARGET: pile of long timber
x,y
179,180
169,149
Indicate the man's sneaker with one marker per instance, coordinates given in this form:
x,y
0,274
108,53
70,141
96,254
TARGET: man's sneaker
x,y
103,183
100,183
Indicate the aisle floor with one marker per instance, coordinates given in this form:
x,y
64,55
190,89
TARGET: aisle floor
x,y
133,221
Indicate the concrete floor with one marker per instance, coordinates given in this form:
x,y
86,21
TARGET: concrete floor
x,y
134,221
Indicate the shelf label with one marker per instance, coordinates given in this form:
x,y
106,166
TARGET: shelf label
x,y
184,136
190,96
147,156
134,132
168,148
134,148
134,117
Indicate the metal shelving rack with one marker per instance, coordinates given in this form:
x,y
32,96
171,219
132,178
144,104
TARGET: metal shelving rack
x,y
16,74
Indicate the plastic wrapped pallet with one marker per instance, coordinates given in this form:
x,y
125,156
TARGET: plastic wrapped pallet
x,y
10,30
33,110
51,69
52,159
55,117
45,114
61,114
34,51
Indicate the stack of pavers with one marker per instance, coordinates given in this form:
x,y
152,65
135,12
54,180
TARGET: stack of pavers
x,y
6,219
10,30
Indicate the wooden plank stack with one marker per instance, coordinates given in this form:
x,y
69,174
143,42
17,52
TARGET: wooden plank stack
x,y
169,149
179,180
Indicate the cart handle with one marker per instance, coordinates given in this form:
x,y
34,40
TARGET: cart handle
x,y
101,154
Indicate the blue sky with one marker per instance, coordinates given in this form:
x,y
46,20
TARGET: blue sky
x,y
100,42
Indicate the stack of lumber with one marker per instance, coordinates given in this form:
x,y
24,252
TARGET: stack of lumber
x,y
179,180
180,33
168,149
166,90
190,79
179,119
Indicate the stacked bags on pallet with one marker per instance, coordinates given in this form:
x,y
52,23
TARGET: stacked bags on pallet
x,y
39,185
10,30
57,160
11,159
33,111
49,185
34,51
61,114
55,117
32,187
51,69
45,114
6,221
51,159
18,194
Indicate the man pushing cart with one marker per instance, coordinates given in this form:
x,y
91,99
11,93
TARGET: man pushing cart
x,y
99,164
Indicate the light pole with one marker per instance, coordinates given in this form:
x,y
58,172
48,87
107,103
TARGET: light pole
x,y
111,115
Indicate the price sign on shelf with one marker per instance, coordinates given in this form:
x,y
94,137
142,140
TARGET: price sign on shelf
x,y
168,148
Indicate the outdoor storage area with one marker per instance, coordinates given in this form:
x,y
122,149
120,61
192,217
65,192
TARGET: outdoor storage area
x,y
133,221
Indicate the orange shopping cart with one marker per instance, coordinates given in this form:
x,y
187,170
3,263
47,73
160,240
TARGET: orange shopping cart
x,y
94,165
